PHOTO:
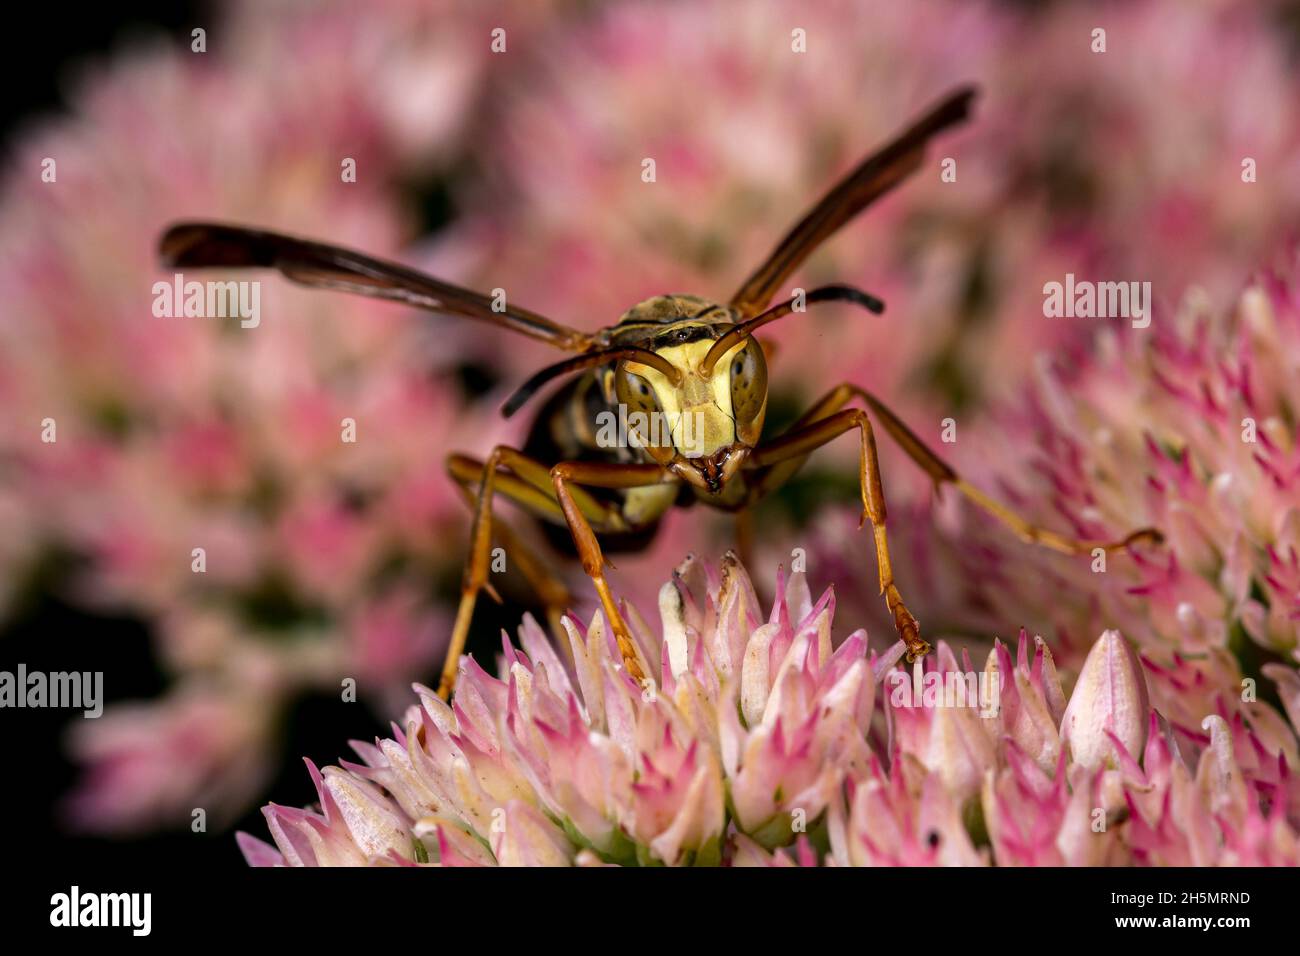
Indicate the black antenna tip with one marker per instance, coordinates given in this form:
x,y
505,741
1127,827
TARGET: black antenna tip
x,y
847,293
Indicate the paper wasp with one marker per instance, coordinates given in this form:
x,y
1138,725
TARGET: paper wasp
x,y
675,355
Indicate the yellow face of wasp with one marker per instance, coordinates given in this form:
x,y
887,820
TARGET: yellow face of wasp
x,y
705,418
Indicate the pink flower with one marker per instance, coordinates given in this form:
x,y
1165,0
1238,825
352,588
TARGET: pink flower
x,y
1109,706
757,744
177,434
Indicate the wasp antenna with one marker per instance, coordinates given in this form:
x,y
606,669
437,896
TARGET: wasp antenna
x,y
581,362
826,293
535,382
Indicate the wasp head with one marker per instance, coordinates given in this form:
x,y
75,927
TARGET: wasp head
x,y
701,419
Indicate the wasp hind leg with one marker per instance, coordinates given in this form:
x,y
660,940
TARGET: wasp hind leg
x,y
943,473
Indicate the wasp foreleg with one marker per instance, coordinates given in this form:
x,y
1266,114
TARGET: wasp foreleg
x,y
527,482
794,447
565,477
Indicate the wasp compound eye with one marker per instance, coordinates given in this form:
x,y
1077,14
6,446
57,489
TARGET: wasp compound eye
x,y
749,391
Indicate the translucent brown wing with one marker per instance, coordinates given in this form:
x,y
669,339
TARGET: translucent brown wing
x,y
872,178
317,264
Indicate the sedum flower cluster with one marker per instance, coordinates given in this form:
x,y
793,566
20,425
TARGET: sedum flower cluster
x,y
763,741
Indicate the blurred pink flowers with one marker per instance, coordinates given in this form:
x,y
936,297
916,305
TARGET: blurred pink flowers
x,y
320,557
1075,160
177,446
761,744
149,762
1187,427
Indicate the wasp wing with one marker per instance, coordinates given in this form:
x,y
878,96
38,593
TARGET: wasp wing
x,y
871,179
323,266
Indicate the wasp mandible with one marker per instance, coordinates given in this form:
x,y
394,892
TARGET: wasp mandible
x,y
672,356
